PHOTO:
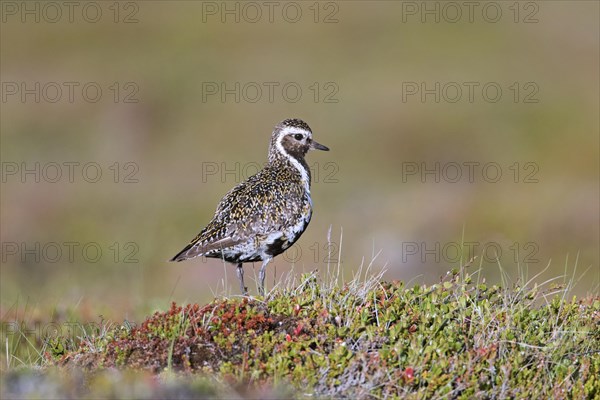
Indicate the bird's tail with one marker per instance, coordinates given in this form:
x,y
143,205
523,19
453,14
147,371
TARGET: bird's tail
x,y
183,254
197,248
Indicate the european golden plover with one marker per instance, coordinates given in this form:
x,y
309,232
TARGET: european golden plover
x,y
264,215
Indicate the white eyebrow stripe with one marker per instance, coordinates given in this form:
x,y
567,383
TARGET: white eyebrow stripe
x,y
292,129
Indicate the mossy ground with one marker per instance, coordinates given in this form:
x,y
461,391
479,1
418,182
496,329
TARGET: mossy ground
x,y
367,339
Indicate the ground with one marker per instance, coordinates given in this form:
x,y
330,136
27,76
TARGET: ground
x,y
459,338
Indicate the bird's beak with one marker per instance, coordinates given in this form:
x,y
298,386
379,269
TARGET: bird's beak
x,y
317,146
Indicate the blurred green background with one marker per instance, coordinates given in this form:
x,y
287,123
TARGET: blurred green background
x,y
378,84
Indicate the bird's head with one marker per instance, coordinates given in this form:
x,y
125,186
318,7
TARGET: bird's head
x,y
293,138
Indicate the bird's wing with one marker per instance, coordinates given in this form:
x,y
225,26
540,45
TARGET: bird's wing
x,y
248,210
198,248
229,226
262,204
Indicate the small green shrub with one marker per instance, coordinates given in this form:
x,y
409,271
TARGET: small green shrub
x,y
457,339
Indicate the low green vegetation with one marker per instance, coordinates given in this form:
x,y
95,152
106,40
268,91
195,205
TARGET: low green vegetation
x,y
460,338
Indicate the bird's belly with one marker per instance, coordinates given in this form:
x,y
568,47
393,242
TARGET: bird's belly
x,y
286,238
240,253
277,246
264,246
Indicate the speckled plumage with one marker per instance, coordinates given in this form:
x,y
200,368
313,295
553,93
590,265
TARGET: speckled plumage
x,y
264,215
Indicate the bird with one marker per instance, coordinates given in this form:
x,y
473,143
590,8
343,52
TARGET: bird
x,y
265,214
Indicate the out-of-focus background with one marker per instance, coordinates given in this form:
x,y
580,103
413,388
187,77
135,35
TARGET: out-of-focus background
x,y
455,129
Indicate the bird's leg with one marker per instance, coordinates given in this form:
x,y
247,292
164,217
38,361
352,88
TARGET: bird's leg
x,y
261,277
240,275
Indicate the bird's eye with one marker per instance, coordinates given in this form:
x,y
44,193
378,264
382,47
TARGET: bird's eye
x,y
298,136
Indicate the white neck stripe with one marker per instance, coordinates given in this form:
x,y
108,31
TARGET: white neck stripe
x,y
295,163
